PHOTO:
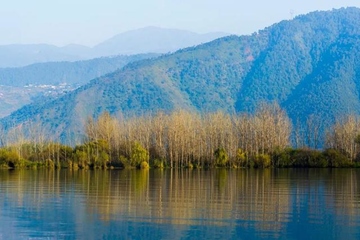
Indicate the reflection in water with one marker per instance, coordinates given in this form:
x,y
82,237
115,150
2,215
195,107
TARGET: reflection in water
x,y
173,204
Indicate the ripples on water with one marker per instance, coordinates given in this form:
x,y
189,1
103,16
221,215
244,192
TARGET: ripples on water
x,y
180,204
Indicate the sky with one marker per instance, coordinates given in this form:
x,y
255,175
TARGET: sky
x,y
89,22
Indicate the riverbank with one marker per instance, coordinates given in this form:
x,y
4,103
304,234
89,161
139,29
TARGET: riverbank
x,y
68,158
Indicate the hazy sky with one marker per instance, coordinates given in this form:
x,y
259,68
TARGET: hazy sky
x,y
89,22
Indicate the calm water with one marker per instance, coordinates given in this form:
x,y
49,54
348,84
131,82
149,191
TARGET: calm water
x,y
187,204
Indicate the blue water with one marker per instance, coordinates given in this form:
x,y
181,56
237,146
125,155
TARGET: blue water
x,y
180,204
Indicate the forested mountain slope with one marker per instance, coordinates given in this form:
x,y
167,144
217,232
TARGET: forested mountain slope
x,y
309,65
41,81
73,73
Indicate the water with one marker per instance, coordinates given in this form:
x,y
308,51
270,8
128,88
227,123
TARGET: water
x,y
181,204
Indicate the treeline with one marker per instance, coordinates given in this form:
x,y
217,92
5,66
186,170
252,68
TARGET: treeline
x,y
186,139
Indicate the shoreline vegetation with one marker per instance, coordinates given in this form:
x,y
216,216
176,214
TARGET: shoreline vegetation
x,y
265,139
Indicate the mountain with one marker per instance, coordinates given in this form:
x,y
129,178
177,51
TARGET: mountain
x,y
153,39
73,73
332,89
17,55
309,65
33,83
144,40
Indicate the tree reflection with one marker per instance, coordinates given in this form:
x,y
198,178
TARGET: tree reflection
x,y
268,200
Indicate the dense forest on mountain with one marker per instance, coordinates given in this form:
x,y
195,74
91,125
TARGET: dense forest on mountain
x,y
41,82
308,65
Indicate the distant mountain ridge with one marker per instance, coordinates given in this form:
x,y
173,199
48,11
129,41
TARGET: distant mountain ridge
x,y
309,65
74,73
154,40
144,40
18,55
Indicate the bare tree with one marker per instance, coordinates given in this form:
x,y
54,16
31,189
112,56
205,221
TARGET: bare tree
x,y
343,135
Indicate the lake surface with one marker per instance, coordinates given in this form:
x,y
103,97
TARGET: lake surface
x,y
180,204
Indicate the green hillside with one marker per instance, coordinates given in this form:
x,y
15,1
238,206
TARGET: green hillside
x,y
42,81
309,65
332,88
73,73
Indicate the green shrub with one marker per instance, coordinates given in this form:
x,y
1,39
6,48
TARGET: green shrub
x,y
318,160
300,157
221,157
75,166
81,158
308,158
144,165
124,162
10,159
4,165
138,155
189,165
102,160
336,159
241,160
262,161
157,163
282,158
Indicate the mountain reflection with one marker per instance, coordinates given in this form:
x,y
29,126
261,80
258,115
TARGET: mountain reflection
x,y
248,203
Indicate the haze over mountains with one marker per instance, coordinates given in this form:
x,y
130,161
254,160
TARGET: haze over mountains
x,y
309,65
153,40
72,73
144,40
